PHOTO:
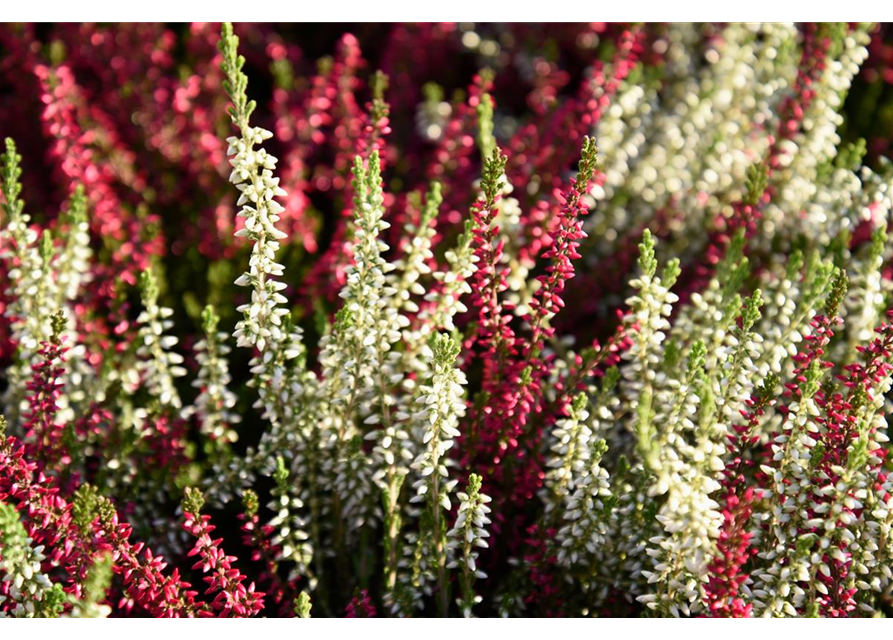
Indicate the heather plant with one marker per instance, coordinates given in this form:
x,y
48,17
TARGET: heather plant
x,y
602,329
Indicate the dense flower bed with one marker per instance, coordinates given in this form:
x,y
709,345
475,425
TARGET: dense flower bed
x,y
477,320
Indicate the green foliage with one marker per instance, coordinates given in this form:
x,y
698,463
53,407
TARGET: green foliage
x,y
58,323
751,313
280,475
235,81
303,605
696,357
494,169
588,160
647,261
47,250
193,501
96,586
851,155
610,380
88,505
756,182
486,141
445,349
210,320
379,85
12,186
149,288
670,273
837,294
433,200
578,404
250,502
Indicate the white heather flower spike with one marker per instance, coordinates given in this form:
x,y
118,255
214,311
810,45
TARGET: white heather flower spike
x,y
291,537
795,302
687,143
442,405
469,533
215,402
72,268
416,254
865,301
584,533
689,516
264,324
571,439
647,320
158,364
359,366
252,174
72,264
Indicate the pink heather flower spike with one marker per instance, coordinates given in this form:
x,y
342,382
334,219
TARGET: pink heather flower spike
x,y
232,598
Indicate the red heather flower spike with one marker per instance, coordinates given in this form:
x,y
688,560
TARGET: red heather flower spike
x,y
547,300
354,131
43,436
258,537
726,571
494,337
233,599
494,340
810,355
518,395
167,439
375,122
733,548
145,585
